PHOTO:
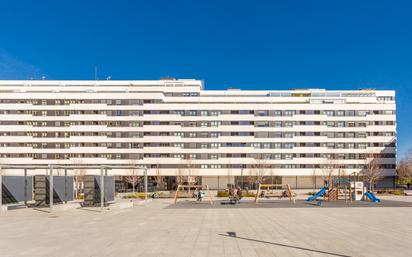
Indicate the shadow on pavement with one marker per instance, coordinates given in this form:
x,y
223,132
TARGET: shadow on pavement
x,y
233,235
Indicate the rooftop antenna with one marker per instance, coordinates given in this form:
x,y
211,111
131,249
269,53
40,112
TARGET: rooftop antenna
x,y
95,73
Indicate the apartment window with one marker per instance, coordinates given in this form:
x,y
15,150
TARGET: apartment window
x,y
278,156
341,124
289,145
289,113
277,113
278,124
277,145
288,124
266,145
330,123
289,134
215,145
256,145
288,156
340,113
350,113
329,113
214,134
215,123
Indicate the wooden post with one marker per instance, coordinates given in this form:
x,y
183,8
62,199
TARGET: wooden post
x,y
291,198
177,190
257,194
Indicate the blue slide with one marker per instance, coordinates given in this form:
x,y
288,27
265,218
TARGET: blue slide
x,y
318,194
372,197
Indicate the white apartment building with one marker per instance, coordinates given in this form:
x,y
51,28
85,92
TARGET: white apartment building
x,y
177,128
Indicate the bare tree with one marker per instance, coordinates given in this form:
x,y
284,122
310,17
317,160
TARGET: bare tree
x,y
134,176
259,169
189,171
79,174
331,168
180,178
372,171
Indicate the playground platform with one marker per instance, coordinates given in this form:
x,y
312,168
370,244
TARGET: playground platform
x,y
223,203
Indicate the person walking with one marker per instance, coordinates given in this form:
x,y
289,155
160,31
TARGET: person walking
x,y
199,195
239,194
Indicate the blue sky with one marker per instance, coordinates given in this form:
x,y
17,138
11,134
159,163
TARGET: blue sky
x,y
246,44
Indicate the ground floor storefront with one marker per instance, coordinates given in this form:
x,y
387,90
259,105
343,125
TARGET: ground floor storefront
x,y
125,184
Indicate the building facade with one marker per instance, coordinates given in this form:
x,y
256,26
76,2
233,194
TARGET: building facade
x,y
179,130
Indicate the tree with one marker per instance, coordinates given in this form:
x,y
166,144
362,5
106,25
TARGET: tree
x,y
331,168
180,178
189,170
404,169
372,171
134,177
259,169
79,174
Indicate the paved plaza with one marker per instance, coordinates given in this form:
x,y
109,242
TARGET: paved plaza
x,y
160,228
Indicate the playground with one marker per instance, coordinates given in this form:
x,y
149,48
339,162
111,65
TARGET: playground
x,y
220,203
161,228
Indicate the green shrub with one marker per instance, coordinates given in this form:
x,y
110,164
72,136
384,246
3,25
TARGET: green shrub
x,y
139,195
248,194
222,194
398,192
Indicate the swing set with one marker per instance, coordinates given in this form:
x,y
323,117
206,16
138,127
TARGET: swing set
x,y
288,191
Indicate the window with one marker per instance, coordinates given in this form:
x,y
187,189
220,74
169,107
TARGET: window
x,y
340,113
277,113
289,113
215,145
